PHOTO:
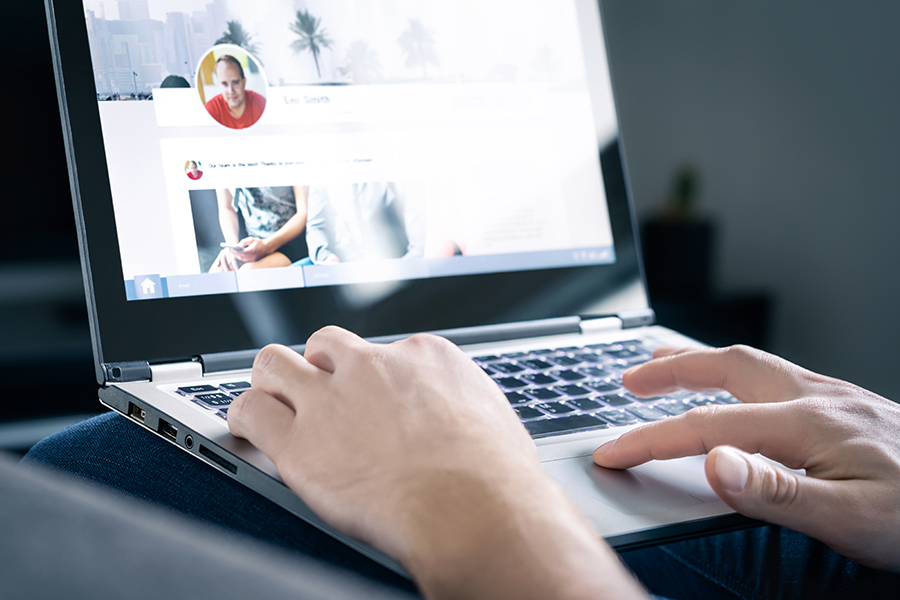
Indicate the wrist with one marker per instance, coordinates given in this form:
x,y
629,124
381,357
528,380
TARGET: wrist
x,y
513,534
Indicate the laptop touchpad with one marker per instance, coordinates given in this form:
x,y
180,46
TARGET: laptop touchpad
x,y
653,487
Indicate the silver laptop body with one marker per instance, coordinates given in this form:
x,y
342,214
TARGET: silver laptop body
x,y
484,165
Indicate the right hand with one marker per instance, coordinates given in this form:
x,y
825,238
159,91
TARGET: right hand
x,y
846,438
412,448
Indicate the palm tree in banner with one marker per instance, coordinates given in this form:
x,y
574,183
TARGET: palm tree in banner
x,y
310,36
362,63
237,35
417,43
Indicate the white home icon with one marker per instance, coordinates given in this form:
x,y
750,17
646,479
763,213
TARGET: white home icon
x,y
148,287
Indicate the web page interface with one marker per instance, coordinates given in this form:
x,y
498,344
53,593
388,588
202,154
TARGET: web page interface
x,y
254,146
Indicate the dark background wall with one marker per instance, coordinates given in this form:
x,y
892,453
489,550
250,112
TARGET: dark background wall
x,y
787,111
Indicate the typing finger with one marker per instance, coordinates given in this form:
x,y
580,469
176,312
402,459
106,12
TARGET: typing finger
x,y
332,345
748,374
262,420
769,429
283,374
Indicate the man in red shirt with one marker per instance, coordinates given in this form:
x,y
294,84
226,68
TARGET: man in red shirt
x,y
236,107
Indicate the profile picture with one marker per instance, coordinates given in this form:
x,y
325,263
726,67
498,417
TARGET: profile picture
x,y
193,170
232,86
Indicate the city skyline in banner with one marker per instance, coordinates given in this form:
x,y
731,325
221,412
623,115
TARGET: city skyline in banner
x,y
136,44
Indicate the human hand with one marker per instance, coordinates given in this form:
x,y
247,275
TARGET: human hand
x,y
413,449
225,261
845,438
253,249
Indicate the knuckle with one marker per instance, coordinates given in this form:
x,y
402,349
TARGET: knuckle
x,y
701,416
265,359
743,353
778,487
701,420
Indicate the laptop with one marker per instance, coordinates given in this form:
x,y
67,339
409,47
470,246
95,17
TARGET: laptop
x,y
246,174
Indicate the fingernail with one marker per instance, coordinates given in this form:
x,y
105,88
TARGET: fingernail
x,y
732,469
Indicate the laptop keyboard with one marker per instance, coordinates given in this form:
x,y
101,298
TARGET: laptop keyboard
x,y
560,390
554,391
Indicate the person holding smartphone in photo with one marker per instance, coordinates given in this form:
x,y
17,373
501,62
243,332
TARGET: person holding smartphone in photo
x,y
274,219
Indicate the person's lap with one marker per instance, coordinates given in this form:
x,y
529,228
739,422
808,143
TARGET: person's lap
x,y
764,562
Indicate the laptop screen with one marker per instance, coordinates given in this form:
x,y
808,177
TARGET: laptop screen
x,y
295,144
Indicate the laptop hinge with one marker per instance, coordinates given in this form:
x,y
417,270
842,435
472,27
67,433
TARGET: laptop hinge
x,y
178,371
141,370
243,359
121,372
504,331
637,318
601,324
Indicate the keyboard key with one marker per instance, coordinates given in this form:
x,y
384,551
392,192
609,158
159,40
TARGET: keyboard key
x,y
617,417
647,400
602,347
564,361
568,375
536,364
674,407
625,353
554,408
487,358
189,390
506,367
538,378
222,412
542,394
702,401
564,424
237,385
517,398
647,413
572,390
213,400
585,404
615,400
595,372
590,357
603,386
526,412
724,398
511,383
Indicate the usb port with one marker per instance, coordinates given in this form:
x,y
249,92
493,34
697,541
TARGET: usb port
x,y
168,430
136,412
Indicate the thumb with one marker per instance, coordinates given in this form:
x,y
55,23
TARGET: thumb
x,y
757,488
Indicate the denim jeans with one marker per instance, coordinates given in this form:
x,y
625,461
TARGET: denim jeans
x,y
764,562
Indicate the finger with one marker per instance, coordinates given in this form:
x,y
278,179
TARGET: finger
x,y
262,420
663,351
748,374
770,429
282,373
329,345
757,488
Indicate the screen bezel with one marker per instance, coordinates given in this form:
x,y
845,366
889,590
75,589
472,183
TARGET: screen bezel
x,y
178,328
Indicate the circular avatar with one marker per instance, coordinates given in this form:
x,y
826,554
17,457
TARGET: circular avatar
x,y
232,86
